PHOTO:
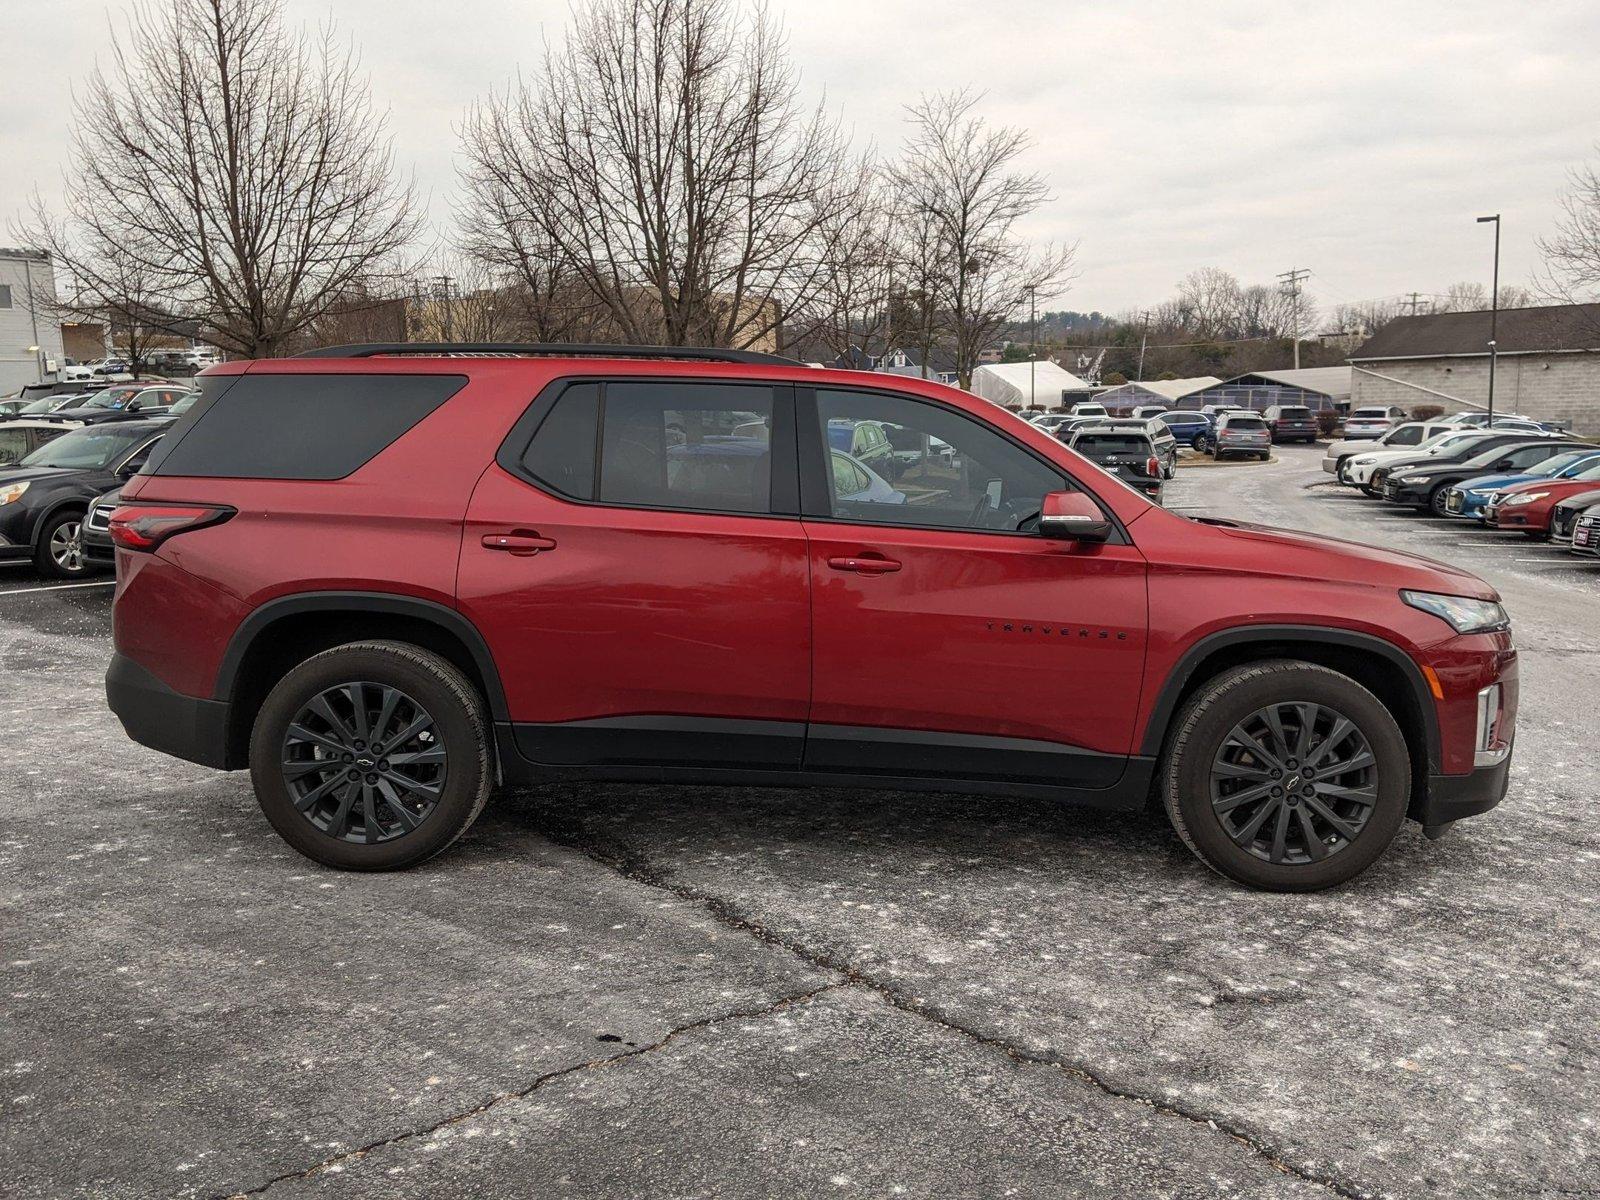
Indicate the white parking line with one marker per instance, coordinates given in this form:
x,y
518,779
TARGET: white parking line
x,y
60,587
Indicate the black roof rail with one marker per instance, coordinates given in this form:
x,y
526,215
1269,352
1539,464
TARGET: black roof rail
x,y
548,350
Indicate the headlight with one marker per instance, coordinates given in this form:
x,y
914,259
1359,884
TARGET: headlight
x,y
1413,479
1523,498
12,492
1464,614
1488,491
1366,460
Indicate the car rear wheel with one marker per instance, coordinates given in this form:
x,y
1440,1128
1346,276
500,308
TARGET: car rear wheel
x,y
372,756
59,551
1286,776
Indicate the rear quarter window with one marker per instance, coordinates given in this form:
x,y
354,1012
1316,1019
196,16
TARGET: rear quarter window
x,y
296,426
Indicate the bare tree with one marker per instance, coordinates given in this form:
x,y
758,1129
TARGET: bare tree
x,y
235,164
1465,296
1365,317
852,309
1210,299
1572,254
961,173
662,156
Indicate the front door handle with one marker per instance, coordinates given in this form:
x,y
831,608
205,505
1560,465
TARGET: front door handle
x,y
520,544
864,566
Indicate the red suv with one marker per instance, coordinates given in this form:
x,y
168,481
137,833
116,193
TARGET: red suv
x,y
389,578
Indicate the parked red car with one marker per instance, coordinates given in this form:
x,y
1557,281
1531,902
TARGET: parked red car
x,y
387,578
1527,507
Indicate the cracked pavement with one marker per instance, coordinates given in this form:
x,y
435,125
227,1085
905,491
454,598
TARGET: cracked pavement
x,y
673,991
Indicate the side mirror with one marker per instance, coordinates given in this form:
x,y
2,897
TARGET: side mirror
x,y
1072,516
1505,464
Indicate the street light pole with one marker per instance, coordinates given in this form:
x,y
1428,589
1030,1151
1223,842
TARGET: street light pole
x,y
1494,313
1033,344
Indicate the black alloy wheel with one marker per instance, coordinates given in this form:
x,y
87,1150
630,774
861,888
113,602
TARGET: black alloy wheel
x,y
1285,775
372,756
1437,498
363,762
1294,783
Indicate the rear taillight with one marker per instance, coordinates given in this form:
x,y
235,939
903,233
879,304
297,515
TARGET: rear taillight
x,y
1152,467
146,526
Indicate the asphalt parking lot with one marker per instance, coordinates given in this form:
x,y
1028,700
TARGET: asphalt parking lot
x,y
670,991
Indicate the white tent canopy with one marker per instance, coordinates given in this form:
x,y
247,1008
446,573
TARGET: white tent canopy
x,y
1010,383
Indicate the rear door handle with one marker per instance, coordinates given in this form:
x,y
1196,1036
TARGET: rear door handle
x,y
864,566
520,544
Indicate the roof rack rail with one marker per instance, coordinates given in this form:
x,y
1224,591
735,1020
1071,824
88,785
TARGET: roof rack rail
x,y
548,350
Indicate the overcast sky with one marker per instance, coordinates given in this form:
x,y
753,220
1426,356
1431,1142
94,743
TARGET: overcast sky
x,y
1357,139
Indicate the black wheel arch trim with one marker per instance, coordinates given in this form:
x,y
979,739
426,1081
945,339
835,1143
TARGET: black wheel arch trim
x,y
53,510
1178,679
446,618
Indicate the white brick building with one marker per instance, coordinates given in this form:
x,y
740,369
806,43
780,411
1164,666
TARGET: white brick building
x,y
27,318
1548,365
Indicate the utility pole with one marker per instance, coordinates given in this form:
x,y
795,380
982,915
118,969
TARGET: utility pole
x,y
1494,312
1415,302
1144,337
1291,284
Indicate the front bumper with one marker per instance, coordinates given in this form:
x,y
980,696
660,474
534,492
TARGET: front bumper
x,y
1452,797
154,715
1402,493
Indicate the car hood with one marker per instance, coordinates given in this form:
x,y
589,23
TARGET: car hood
x,y
30,474
1314,556
1580,499
1560,488
1495,481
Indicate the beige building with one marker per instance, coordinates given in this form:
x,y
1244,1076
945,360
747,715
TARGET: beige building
x,y
1547,366
30,332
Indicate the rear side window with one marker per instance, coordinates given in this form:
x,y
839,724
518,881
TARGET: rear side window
x,y
561,455
297,426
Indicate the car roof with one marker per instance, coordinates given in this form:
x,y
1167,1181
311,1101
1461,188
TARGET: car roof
x,y
31,423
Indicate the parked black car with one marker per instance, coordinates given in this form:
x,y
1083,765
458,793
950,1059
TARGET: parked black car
x,y
1458,453
121,401
1127,453
1160,437
96,537
1564,516
43,499
1291,423
1424,486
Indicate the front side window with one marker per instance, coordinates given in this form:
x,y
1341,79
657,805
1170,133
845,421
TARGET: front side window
x,y
928,466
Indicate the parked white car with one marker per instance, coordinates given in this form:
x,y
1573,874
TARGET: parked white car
x,y
1372,420
1406,436
1358,468
1088,408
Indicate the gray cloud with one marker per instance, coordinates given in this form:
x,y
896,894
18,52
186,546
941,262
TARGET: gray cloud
x,y
1359,140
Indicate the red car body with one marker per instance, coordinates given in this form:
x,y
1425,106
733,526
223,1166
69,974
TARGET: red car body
x,y
770,648
1534,516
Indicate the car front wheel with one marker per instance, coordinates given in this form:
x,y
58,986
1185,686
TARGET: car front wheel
x,y
1286,776
1436,501
372,756
59,552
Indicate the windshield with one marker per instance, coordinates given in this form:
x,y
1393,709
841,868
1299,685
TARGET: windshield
x,y
1559,463
1589,473
95,448
106,399
45,405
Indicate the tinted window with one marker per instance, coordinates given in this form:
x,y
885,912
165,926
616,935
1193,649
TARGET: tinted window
x,y
299,426
561,454
1245,423
1406,436
687,445
1294,412
934,467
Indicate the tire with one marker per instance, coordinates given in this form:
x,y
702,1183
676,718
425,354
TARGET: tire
x,y
1436,501
1202,734
58,552
1264,457
1340,473
1199,443
459,734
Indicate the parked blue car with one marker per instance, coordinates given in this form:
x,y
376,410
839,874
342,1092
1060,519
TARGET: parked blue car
x,y
1471,496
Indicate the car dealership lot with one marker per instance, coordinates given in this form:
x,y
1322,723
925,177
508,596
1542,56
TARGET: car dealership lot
x,y
626,990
